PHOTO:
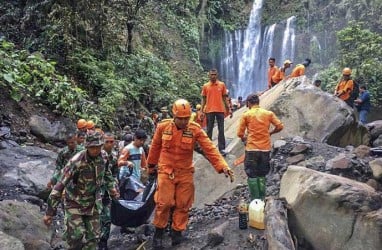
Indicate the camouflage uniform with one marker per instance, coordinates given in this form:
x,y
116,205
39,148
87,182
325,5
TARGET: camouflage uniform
x,y
62,158
105,213
82,180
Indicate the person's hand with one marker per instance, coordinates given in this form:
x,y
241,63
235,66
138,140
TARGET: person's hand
x,y
114,194
47,220
202,116
49,185
231,113
244,140
130,164
229,173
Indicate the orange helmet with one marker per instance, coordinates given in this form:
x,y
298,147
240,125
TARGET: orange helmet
x,y
81,123
90,124
181,108
346,71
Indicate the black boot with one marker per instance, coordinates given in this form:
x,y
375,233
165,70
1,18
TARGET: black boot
x,y
158,237
176,237
102,245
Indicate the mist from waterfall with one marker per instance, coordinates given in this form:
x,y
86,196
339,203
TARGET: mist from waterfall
x,y
244,57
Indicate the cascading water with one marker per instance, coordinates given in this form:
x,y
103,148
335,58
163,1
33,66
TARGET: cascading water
x,y
244,58
287,51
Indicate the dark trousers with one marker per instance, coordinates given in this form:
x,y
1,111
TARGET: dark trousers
x,y
210,126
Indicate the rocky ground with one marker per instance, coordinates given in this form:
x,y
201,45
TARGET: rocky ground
x,y
223,211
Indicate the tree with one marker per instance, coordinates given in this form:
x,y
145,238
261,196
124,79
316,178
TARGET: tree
x,y
130,10
361,50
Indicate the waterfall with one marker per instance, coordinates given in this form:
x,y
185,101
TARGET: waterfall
x,y
250,57
245,53
287,51
316,49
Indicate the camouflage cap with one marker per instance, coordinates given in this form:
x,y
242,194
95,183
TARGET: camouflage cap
x,y
94,140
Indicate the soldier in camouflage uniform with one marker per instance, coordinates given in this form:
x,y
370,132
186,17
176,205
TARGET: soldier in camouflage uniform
x,y
64,156
146,124
82,179
108,147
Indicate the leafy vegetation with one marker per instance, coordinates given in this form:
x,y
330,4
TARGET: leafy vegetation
x,y
359,49
31,76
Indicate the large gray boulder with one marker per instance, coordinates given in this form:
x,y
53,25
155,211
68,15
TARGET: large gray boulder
x,y
332,212
52,132
27,167
9,242
309,112
23,221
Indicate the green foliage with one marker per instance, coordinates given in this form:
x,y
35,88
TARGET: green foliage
x,y
361,50
30,75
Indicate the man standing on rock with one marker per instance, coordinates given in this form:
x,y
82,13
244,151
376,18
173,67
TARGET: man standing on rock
x,y
256,124
215,105
170,158
82,179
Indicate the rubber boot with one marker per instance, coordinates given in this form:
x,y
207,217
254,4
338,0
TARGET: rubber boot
x,y
157,239
176,237
261,183
253,188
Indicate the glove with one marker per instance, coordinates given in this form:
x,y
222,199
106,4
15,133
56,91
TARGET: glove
x,y
48,220
228,172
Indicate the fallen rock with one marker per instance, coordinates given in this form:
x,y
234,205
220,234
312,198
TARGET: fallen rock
x,y
341,161
332,212
376,167
24,222
9,242
216,235
295,159
276,220
362,151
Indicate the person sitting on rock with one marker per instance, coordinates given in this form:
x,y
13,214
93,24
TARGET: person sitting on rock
x,y
299,69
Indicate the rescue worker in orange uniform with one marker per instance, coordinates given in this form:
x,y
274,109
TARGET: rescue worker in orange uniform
x,y
345,87
256,124
299,70
82,125
90,127
279,75
271,71
170,158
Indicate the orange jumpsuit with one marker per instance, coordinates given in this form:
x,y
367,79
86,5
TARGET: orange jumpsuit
x,y
299,70
172,150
